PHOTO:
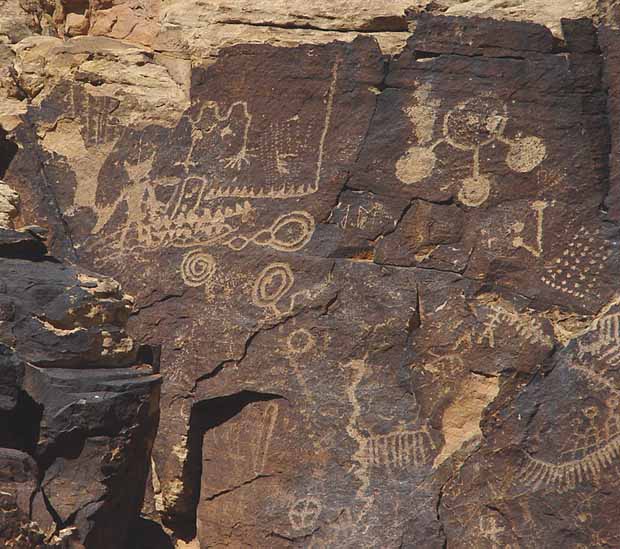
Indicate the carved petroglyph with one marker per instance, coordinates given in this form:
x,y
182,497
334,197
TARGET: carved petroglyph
x,y
423,113
576,271
300,341
305,513
594,444
525,325
197,268
490,529
606,343
289,233
565,476
286,143
397,449
518,241
264,436
237,160
361,465
213,165
272,284
401,448
359,217
180,223
551,177
96,116
470,126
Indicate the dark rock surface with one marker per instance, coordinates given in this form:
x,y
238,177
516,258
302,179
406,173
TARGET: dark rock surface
x,y
78,411
385,290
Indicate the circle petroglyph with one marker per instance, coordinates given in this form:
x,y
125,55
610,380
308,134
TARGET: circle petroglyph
x,y
304,513
300,341
292,231
525,154
475,191
272,284
197,268
475,123
415,165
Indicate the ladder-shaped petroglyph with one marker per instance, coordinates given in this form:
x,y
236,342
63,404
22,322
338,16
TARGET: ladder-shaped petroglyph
x,y
566,476
575,272
471,126
397,449
518,241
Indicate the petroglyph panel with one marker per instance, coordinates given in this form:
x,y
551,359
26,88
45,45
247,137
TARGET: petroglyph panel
x,y
384,289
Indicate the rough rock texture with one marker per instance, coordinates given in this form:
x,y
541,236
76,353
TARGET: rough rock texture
x,y
377,243
78,407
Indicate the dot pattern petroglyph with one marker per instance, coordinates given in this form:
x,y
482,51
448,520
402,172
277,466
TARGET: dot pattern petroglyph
x,y
575,272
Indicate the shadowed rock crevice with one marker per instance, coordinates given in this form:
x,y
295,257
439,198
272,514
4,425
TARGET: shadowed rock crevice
x,y
205,415
8,150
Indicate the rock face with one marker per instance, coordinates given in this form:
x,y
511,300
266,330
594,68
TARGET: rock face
x,y
381,260
78,408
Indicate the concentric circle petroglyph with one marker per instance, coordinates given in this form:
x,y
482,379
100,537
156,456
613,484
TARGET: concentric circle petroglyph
x,y
197,268
272,284
292,231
